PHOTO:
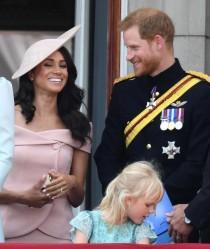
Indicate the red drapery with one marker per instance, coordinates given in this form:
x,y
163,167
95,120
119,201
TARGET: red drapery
x,y
100,246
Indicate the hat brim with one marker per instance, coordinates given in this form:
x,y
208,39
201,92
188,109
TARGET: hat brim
x,y
40,50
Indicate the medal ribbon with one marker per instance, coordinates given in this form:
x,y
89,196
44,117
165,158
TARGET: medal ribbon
x,y
142,119
172,115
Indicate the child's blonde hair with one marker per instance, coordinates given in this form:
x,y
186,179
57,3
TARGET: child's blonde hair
x,y
138,179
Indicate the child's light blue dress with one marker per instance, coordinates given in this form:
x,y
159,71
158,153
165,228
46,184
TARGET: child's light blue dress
x,y
98,231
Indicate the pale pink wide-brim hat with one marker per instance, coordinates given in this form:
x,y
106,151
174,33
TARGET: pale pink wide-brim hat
x,y
40,50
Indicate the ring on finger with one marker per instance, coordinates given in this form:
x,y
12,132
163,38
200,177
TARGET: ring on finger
x,y
61,190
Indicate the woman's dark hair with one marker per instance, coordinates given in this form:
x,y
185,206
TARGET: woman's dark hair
x,y
69,101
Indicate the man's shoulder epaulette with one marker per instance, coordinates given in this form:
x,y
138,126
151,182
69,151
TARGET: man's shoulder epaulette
x,y
200,75
123,78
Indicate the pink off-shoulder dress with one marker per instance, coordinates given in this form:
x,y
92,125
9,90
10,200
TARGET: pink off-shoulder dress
x,y
35,154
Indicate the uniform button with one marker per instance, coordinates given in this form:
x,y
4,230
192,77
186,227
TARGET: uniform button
x,y
148,146
157,94
56,146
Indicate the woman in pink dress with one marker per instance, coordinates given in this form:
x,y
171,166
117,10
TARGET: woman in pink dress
x,y
52,146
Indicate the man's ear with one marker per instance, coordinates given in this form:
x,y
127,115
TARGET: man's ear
x,y
159,41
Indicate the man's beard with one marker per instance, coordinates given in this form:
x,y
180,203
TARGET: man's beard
x,y
146,67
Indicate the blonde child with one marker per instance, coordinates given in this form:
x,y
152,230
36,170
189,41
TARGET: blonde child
x,y
119,218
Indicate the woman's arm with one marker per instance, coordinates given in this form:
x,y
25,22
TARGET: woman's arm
x,y
78,175
71,185
32,197
6,128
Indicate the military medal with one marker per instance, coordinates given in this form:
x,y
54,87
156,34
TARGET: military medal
x,y
164,120
152,103
178,125
164,125
171,150
180,118
171,123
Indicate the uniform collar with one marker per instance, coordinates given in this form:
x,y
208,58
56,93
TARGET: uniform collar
x,y
170,76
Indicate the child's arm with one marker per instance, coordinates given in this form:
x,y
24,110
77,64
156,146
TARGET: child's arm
x,y
143,241
80,237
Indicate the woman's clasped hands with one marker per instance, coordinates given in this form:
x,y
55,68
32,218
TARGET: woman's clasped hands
x,y
56,185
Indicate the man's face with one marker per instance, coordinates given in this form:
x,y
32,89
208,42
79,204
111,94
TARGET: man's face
x,y
141,53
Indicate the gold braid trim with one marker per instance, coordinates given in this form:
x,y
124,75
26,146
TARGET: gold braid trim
x,y
129,76
137,124
194,73
199,75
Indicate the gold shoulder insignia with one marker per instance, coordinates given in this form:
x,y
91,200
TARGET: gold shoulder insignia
x,y
200,75
129,76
